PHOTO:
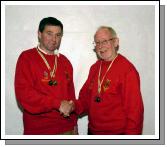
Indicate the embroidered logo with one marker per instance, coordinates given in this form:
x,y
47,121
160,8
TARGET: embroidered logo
x,y
67,75
106,85
45,77
91,85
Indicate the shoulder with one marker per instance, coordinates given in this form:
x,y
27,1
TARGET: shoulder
x,y
65,61
28,54
95,66
26,58
125,64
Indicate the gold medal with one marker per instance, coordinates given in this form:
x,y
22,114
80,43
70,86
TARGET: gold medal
x,y
52,83
101,82
52,72
97,99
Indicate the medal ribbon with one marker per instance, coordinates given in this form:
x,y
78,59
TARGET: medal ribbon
x,y
52,72
100,82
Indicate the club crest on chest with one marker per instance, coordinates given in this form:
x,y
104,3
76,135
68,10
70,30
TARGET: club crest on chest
x,y
106,85
67,75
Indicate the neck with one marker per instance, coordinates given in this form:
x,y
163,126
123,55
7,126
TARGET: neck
x,y
112,57
45,51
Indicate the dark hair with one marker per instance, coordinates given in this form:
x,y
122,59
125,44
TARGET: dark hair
x,y
49,21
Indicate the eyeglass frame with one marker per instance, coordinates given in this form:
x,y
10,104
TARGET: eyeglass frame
x,y
104,42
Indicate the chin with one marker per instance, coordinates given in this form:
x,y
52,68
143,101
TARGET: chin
x,y
52,49
104,57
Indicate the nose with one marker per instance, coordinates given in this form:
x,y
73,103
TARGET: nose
x,y
54,38
100,45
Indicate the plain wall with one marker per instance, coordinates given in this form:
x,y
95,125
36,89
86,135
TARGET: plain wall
x,y
135,26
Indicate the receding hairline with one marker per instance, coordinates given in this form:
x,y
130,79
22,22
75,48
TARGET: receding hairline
x,y
110,29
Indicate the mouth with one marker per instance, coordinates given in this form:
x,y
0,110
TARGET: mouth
x,y
102,52
54,44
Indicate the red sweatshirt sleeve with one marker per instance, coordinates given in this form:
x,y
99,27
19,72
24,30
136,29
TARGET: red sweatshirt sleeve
x,y
28,96
69,77
84,94
71,90
133,104
82,103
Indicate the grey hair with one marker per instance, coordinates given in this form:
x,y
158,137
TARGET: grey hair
x,y
111,30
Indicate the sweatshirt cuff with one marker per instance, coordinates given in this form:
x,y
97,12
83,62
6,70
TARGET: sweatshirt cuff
x,y
56,104
78,107
133,132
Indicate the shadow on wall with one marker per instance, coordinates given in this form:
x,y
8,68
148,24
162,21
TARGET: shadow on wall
x,y
19,106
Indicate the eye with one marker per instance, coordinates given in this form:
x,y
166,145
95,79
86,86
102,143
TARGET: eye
x,y
97,43
58,35
104,42
49,33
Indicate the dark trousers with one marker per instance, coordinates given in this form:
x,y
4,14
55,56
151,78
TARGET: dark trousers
x,y
90,133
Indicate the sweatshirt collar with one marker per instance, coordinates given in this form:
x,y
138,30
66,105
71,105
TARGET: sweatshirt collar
x,y
56,52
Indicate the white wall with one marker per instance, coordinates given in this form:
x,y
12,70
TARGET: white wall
x,y
134,25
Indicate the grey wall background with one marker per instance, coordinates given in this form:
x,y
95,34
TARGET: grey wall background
x,y
135,26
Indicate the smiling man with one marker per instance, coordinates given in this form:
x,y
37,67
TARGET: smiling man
x,y
44,84
111,95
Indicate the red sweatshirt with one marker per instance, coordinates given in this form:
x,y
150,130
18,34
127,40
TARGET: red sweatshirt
x,y
121,108
40,102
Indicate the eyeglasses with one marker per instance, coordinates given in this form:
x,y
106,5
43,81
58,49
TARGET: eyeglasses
x,y
104,42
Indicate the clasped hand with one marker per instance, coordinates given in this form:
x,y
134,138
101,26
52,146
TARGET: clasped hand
x,y
66,107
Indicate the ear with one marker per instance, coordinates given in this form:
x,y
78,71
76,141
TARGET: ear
x,y
116,42
39,35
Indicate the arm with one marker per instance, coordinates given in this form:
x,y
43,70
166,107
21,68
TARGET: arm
x,y
85,93
68,106
82,104
133,104
31,99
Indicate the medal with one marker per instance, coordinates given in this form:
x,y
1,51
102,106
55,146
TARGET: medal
x,y
97,99
52,72
52,83
100,82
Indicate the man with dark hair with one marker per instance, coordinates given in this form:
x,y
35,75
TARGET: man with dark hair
x,y
44,84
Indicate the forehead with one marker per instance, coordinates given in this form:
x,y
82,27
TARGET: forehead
x,y
103,33
56,29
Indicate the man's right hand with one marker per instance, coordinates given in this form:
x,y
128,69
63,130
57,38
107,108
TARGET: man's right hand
x,y
66,107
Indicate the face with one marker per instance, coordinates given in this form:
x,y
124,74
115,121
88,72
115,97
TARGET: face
x,y
105,44
50,38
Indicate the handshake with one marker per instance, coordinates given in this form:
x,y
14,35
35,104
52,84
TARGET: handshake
x,y
66,107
